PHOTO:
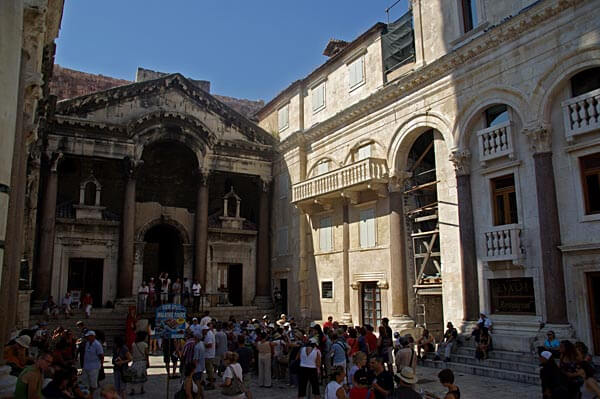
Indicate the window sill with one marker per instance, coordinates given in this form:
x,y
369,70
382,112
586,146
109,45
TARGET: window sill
x,y
595,217
317,110
326,252
470,35
283,129
356,86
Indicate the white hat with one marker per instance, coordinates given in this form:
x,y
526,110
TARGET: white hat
x,y
312,324
282,316
546,355
265,317
407,374
23,340
89,333
195,319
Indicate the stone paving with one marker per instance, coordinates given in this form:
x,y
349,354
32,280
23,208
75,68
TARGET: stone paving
x,y
471,387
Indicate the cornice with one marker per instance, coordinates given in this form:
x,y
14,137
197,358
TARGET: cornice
x,y
69,123
477,48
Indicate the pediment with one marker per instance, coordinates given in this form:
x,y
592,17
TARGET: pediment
x,y
171,98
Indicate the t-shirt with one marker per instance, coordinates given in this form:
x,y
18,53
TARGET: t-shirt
x,y
196,288
386,381
209,338
205,320
221,341
199,352
144,290
138,351
371,341
93,351
164,285
360,393
196,329
406,393
339,352
187,286
67,300
233,368
176,288
245,358
331,389
29,375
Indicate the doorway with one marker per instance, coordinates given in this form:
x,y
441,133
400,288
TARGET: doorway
x,y
371,304
235,284
284,295
163,252
86,275
593,281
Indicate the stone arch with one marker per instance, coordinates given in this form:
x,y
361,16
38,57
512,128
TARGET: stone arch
x,y
550,82
318,161
360,143
511,97
409,131
183,233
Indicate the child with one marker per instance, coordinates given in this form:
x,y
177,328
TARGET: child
x,y
109,392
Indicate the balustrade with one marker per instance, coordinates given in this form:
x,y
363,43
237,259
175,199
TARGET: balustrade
x,y
503,243
581,114
495,142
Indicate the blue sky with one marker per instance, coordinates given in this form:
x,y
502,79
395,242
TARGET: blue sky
x,y
246,48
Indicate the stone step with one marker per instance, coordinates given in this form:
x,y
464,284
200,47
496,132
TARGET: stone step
x,y
501,355
469,359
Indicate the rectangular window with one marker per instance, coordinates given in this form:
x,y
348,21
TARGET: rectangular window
x,y
367,228
282,241
357,72
504,198
326,289
283,116
318,97
469,10
364,152
371,304
322,167
325,234
590,179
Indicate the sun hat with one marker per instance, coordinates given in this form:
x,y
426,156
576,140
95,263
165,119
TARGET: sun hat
x,y
89,333
407,374
313,340
24,341
546,355
195,319
282,316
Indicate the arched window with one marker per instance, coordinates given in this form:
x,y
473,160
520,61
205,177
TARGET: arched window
x,y
496,114
585,81
90,194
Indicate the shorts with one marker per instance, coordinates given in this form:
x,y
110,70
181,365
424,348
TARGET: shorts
x,y
198,377
89,378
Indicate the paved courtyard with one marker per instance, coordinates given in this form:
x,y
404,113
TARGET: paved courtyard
x,y
471,386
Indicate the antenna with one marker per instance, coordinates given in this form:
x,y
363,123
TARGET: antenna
x,y
387,10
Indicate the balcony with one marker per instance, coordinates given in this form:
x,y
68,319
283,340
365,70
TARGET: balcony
x,y
354,177
503,243
495,142
581,114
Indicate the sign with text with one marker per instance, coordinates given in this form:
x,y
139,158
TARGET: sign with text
x,y
170,321
512,296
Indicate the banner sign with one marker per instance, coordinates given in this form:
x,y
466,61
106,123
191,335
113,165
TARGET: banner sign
x,y
170,321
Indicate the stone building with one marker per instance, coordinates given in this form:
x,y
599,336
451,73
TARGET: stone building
x,y
443,165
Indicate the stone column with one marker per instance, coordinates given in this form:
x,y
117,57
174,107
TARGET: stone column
x,y
540,142
346,316
263,267
125,276
43,273
468,257
303,261
400,318
201,228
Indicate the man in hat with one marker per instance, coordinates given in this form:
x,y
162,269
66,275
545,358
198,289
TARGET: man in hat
x,y
282,320
30,381
406,379
554,382
196,328
93,359
15,355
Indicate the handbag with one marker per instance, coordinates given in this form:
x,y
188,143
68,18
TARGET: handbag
x,y
129,375
236,387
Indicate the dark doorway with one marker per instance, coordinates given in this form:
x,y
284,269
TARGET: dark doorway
x,y
371,304
86,275
593,281
284,295
163,252
235,283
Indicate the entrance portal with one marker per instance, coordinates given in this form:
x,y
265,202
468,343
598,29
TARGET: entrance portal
x,y
593,280
235,283
86,275
163,252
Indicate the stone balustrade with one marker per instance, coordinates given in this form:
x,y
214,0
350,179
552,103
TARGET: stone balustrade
x,y
503,243
581,114
363,171
495,141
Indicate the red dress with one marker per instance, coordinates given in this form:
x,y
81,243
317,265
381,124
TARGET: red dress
x,y
130,332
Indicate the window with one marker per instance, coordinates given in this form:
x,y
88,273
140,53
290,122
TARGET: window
x,y
590,176
496,115
90,194
318,97
325,234
364,152
504,197
326,289
322,167
469,12
367,228
585,81
282,241
371,304
357,72
283,116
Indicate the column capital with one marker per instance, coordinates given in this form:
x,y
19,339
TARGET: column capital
x,y
132,167
396,180
55,158
539,137
265,182
202,175
461,159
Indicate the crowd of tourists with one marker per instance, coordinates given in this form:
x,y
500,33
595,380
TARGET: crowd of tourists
x,y
163,290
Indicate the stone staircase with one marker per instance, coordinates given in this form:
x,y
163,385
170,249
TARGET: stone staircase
x,y
506,365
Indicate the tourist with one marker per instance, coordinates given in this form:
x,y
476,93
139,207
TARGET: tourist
x,y
336,388
49,308
360,387
187,291
384,345
192,389
371,339
170,358
351,341
141,362
15,354
264,349
199,361
152,292
108,391
328,323
93,358
209,356
339,352
359,361
120,361
484,345
58,387
446,377
383,384
130,326
176,292
310,367
220,346
583,352
143,293
279,359
484,323
406,356
67,303
87,302
554,382
363,345
244,356
165,284
569,366
187,353
590,388
30,381
196,328
552,344
196,292
154,346
205,319
446,346
426,343
406,379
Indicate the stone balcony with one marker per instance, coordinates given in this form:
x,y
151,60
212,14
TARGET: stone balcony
x,y
581,114
503,243
358,176
495,142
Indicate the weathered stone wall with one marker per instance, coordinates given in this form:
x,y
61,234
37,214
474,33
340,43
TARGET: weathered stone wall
x,y
69,83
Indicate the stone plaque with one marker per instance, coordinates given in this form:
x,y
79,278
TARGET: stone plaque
x,y
512,296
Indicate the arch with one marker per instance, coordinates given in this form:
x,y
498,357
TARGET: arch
x,y
546,88
463,127
408,132
318,161
85,195
183,234
361,143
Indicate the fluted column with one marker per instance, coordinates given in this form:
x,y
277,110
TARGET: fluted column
x,y
346,316
201,228
468,257
540,142
43,273
125,280
263,267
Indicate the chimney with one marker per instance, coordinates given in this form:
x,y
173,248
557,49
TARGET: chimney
x,y
334,46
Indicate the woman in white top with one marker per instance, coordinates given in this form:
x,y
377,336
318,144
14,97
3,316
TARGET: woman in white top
x,y
233,370
310,367
141,361
336,389
190,387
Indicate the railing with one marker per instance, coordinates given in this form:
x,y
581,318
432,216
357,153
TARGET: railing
x,y
359,172
495,142
503,243
581,114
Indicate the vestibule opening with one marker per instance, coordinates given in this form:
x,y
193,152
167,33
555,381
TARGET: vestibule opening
x,y
163,252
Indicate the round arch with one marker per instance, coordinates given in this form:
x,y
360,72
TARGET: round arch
x,y
379,148
318,161
183,233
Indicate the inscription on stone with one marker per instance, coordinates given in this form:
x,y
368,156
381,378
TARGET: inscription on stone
x,y
512,296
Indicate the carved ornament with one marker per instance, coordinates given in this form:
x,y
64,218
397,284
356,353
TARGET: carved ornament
x,y
461,159
539,137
